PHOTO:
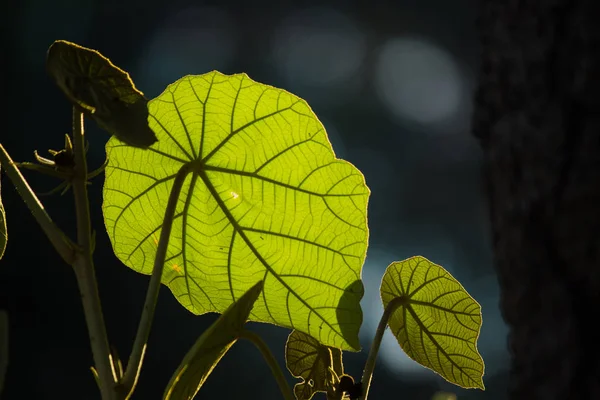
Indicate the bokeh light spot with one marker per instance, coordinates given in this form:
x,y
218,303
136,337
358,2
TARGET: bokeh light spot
x,y
318,50
418,81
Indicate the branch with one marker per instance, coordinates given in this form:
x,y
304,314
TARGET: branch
x,y
84,267
273,364
62,244
134,365
370,364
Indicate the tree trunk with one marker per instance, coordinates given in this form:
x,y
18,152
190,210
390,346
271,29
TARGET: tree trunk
x,y
537,116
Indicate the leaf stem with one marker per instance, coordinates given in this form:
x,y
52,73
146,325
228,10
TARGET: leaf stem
x,y
370,364
84,266
273,364
138,351
44,169
62,244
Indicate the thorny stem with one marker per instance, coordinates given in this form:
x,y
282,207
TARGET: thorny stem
x,y
134,365
84,267
370,364
62,244
273,364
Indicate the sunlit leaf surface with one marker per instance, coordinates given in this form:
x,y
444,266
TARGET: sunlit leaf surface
x,y
102,91
267,200
437,323
3,236
211,347
309,360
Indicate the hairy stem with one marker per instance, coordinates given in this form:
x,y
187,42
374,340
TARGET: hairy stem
x,y
84,266
136,358
370,364
273,364
62,244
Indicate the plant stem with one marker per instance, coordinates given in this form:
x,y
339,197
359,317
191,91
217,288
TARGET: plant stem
x,y
136,358
44,169
273,364
62,244
84,267
370,364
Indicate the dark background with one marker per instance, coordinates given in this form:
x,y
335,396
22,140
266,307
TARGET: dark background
x,y
392,82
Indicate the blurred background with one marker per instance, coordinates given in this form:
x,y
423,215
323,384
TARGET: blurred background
x,y
392,82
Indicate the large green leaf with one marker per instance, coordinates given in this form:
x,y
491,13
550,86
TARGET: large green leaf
x,y
211,347
437,322
309,360
267,199
102,91
3,236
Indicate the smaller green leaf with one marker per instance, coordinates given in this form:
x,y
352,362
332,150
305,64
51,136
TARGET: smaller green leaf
x,y
3,347
212,345
102,91
308,359
3,236
437,322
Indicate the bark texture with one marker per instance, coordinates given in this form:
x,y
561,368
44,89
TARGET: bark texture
x,y
537,116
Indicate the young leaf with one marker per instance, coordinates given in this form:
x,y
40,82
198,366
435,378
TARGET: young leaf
x,y
437,322
102,91
3,236
309,360
266,199
208,350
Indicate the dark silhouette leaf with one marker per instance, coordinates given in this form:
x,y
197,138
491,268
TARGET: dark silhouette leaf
x,y
211,347
310,360
103,91
3,233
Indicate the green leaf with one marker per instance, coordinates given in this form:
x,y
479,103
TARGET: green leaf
x,y
309,360
3,235
266,199
437,322
208,350
102,91
3,347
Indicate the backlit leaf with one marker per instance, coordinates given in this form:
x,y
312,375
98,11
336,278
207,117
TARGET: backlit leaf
x,y
267,199
211,347
309,360
437,322
3,236
102,91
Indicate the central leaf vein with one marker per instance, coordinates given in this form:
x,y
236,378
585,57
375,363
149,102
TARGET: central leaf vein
x,y
259,256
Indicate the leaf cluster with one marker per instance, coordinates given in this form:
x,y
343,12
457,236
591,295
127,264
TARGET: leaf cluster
x,y
261,223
